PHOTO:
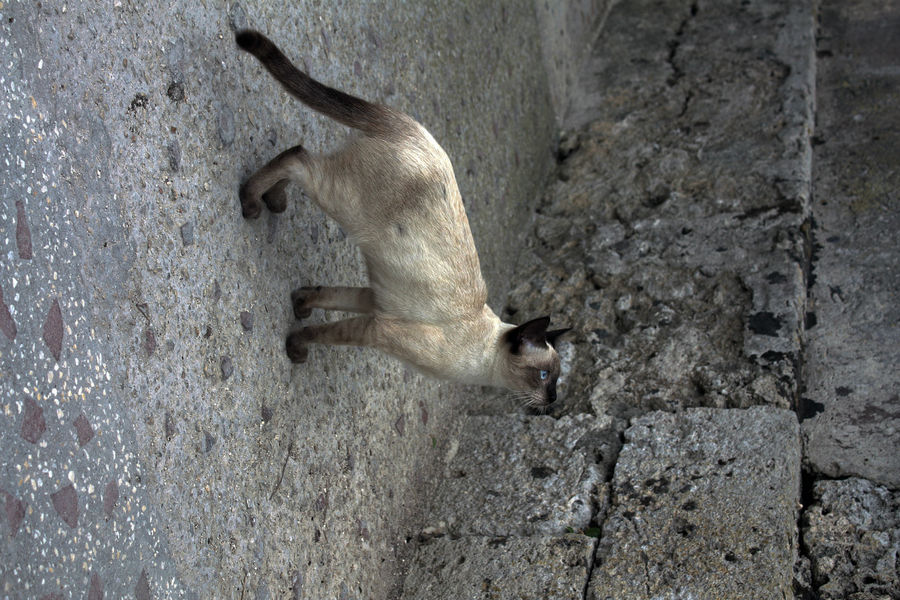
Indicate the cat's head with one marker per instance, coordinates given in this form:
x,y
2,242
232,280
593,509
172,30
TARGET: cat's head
x,y
530,361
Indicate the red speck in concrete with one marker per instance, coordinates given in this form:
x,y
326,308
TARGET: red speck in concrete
x,y
15,513
65,501
149,341
53,330
33,425
23,233
83,429
95,592
142,589
110,497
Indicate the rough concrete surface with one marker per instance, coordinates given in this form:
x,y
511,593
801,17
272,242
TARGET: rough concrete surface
x,y
705,505
156,441
538,568
851,534
518,475
852,396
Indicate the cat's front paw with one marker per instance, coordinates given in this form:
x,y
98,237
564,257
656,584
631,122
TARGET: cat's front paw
x,y
251,207
300,299
296,347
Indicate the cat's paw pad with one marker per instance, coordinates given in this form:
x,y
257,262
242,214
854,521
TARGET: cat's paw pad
x,y
300,299
296,348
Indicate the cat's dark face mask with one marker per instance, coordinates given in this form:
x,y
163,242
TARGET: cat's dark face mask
x,y
533,363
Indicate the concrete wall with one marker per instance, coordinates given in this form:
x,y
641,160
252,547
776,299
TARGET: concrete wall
x,y
146,305
568,32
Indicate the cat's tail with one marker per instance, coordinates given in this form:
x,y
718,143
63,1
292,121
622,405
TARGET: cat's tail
x,y
373,119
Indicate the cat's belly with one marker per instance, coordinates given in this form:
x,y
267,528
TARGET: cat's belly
x,y
429,280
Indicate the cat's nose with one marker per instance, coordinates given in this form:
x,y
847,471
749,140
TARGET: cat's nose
x,y
551,394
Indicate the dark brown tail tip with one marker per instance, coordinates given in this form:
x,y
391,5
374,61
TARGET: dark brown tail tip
x,y
248,40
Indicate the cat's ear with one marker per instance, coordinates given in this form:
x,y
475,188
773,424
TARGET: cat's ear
x,y
533,332
553,335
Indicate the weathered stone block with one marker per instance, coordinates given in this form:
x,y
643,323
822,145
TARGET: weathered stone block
x,y
704,506
542,568
852,537
521,475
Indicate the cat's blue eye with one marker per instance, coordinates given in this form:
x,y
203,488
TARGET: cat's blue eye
x,y
544,375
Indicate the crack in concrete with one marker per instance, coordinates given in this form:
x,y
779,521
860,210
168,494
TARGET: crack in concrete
x,y
590,569
595,513
674,43
595,522
287,455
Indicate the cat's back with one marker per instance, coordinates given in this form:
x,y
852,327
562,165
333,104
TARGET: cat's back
x,y
418,246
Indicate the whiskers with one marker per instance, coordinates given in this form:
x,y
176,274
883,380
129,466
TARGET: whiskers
x,y
528,399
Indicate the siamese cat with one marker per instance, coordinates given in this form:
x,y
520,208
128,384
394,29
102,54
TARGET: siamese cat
x,y
393,191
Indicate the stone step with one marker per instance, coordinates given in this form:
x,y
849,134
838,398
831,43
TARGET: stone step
x,y
519,490
704,505
851,401
538,568
523,475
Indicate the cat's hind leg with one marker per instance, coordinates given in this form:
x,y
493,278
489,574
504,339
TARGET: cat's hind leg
x,y
268,183
348,299
349,332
